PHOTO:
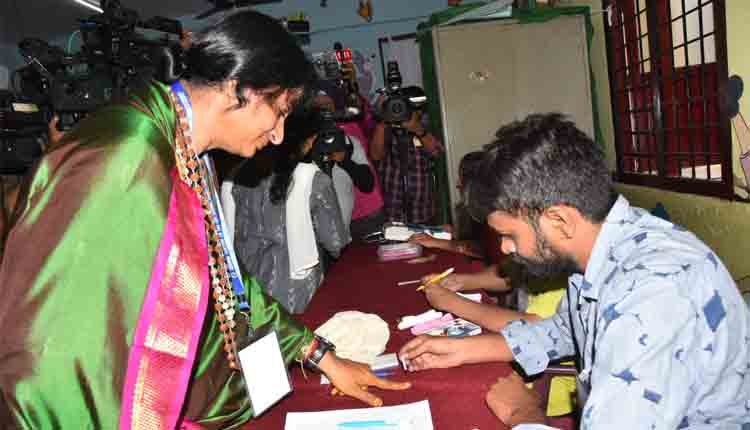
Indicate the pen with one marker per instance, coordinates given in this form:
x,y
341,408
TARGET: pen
x,y
435,279
415,281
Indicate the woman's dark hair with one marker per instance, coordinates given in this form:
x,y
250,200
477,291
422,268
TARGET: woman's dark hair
x,y
251,48
541,161
299,126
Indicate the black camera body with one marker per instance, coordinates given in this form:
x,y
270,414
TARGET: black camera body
x,y
336,70
399,102
23,125
396,107
330,139
114,58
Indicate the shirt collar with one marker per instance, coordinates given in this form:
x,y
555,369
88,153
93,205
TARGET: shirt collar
x,y
589,283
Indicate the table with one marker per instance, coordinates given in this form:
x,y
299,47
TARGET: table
x,y
357,281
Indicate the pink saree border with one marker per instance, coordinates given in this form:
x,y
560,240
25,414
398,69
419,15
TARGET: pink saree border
x,y
166,339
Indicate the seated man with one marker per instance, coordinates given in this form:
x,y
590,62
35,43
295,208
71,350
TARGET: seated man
x,y
656,324
535,302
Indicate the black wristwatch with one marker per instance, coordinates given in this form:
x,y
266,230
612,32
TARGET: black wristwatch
x,y
324,345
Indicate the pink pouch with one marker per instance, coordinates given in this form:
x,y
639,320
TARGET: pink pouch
x,y
442,322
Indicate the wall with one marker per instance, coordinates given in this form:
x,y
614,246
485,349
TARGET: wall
x,y
9,57
339,22
8,53
722,224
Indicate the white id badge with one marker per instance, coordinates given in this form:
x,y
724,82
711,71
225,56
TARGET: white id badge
x,y
265,373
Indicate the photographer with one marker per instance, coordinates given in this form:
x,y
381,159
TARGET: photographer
x,y
350,167
418,205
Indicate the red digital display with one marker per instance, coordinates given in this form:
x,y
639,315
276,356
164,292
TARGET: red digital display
x,y
344,56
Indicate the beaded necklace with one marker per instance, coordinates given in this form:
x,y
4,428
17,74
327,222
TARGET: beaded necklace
x,y
193,172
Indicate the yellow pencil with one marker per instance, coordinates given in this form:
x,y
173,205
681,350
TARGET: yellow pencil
x,y
435,279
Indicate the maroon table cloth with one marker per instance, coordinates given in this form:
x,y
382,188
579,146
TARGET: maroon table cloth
x,y
358,281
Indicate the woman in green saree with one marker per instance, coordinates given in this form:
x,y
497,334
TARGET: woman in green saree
x,y
118,306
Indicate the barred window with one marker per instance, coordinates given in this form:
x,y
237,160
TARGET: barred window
x,y
668,65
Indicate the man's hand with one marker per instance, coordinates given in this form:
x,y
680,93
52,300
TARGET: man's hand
x,y
414,125
514,403
186,39
425,240
338,156
429,352
453,282
353,379
54,135
441,298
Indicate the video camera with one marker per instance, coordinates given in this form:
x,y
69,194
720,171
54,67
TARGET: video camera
x,y
114,58
337,69
398,104
23,127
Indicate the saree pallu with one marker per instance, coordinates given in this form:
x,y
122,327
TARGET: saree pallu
x,y
104,273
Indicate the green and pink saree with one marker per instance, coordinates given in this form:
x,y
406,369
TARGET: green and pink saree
x,y
106,316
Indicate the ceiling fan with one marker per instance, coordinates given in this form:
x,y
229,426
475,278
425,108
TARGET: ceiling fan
x,y
222,5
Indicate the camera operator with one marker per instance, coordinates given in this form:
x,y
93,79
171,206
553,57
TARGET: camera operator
x,y
422,147
351,169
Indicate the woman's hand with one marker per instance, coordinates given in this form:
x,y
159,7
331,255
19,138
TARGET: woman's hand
x,y
353,379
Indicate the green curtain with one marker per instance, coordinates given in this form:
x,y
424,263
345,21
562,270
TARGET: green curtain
x,y
430,79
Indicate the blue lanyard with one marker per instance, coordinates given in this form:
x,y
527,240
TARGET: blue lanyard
x,y
216,211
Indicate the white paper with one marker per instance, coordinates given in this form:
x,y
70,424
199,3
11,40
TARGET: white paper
x,y
411,416
474,297
265,373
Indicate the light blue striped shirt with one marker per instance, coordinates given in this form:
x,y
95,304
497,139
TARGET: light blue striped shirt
x,y
659,327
